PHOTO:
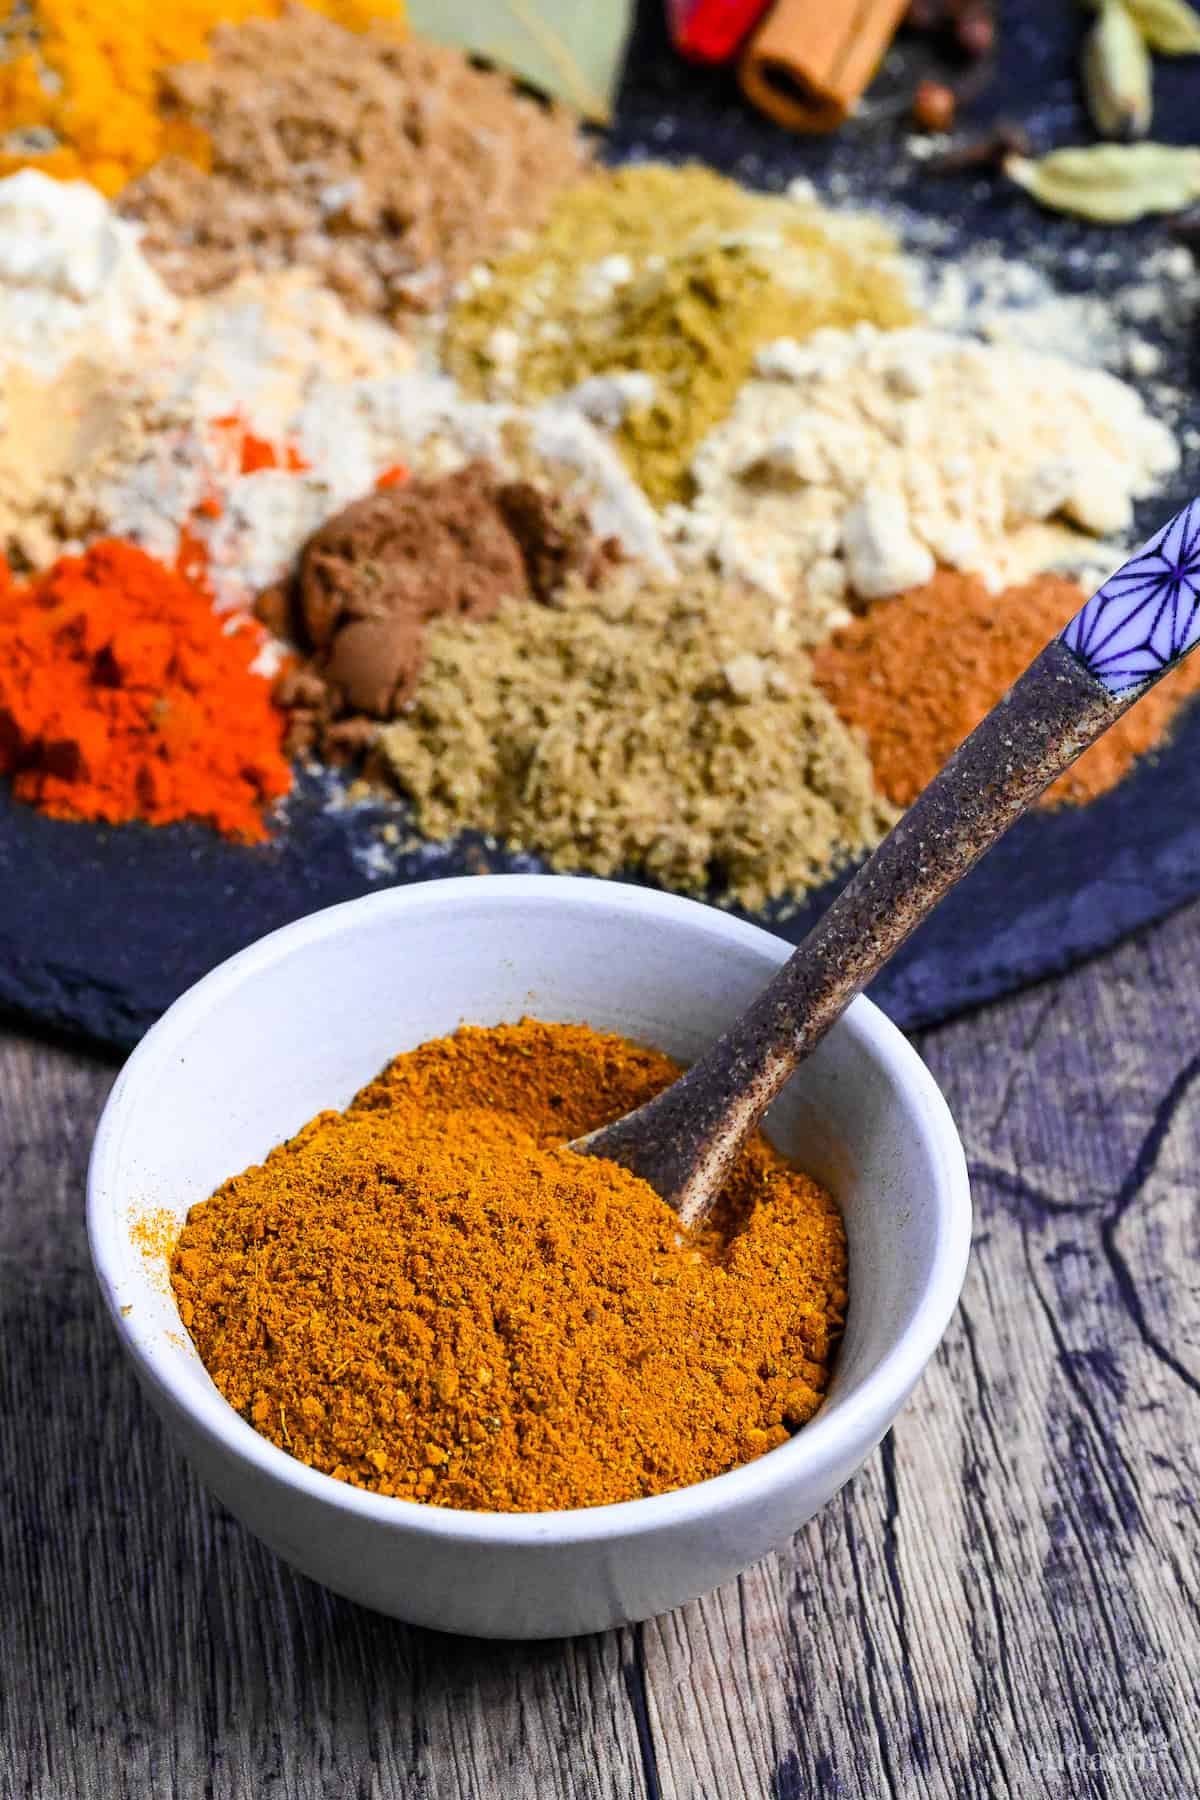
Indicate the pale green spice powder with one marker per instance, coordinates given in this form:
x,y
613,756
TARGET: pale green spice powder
x,y
673,730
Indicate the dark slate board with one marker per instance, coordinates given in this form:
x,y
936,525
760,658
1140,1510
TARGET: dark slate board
x,y
101,928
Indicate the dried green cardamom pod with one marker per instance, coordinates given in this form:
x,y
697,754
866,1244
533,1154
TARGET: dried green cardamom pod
x,y
1111,183
1171,27
1117,74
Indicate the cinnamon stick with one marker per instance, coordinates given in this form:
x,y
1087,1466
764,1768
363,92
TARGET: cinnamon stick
x,y
809,60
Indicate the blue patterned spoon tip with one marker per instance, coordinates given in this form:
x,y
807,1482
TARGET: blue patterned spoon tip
x,y
1146,617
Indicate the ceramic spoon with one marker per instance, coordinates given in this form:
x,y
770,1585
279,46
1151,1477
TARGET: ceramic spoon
x,y
1144,619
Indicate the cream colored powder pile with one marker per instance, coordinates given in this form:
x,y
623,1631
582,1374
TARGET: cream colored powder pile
x,y
124,444
57,443
853,463
71,275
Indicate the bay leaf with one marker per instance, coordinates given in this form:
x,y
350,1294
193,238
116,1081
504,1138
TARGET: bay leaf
x,y
570,49
1111,183
1117,75
1170,27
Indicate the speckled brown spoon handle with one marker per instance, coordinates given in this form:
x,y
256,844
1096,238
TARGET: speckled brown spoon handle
x,y
1144,619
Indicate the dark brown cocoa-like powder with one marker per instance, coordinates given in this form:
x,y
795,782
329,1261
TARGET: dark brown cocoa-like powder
x,y
917,673
374,576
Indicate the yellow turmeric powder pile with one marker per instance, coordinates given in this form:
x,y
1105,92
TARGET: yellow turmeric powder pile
x,y
79,79
428,1295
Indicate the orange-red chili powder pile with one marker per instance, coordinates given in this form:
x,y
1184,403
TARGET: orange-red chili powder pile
x,y
124,696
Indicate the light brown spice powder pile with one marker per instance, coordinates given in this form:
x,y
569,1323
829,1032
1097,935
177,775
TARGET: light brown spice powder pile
x,y
387,166
677,730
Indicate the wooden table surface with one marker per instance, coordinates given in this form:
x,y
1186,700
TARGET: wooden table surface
x,y
1003,1602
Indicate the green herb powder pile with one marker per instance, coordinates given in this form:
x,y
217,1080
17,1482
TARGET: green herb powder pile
x,y
678,275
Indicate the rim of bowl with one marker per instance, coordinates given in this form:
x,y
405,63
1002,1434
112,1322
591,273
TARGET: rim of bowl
x,y
862,1416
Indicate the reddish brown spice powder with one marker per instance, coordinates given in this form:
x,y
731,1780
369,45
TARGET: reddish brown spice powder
x,y
916,674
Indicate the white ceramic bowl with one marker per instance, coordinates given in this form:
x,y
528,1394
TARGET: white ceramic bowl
x,y
302,1019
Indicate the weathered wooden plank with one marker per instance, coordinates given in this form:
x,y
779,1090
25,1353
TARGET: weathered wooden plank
x,y
1002,1602
148,1646
1006,1604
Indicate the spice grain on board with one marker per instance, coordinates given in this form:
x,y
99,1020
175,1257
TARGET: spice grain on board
x,y
916,674
673,728
123,695
854,464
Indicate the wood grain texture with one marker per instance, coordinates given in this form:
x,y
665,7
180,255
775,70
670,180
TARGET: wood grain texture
x,y
1003,1602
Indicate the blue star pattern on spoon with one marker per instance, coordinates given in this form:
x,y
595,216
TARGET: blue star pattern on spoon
x,y
1147,615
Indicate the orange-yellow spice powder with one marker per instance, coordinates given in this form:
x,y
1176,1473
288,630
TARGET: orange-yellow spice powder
x,y
430,1296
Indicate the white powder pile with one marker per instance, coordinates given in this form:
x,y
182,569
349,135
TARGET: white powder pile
x,y
123,443
142,454
351,434
285,356
853,463
71,274
118,437
268,344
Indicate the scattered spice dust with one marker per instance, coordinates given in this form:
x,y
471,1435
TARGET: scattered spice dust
x,y
918,672
154,1234
430,1296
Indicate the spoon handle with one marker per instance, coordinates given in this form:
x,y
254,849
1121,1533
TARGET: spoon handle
x,y
1142,622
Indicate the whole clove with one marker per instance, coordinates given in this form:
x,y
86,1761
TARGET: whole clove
x,y
989,151
934,106
975,29
1184,229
